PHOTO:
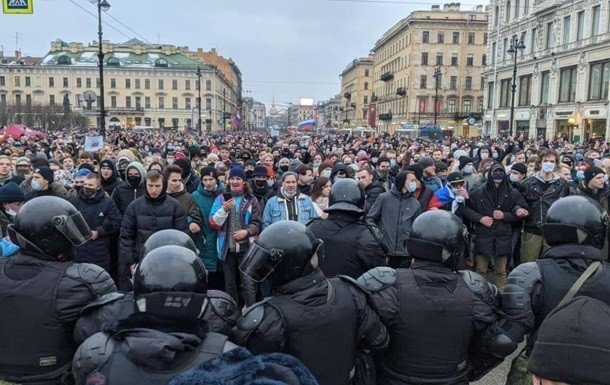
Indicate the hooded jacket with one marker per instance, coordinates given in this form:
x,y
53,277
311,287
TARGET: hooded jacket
x,y
125,193
112,182
206,238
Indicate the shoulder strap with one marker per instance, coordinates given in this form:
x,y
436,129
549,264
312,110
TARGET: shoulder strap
x,y
579,282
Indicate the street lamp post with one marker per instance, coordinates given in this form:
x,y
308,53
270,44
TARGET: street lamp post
x,y
437,77
102,5
199,100
516,45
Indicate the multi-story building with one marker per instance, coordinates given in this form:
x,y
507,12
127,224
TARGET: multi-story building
x,y
145,85
562,72
297,113
356,91
405,61
329,113
258,116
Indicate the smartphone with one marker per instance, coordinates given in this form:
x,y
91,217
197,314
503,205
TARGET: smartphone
x,y
227,196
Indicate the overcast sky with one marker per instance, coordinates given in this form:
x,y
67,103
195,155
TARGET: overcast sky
x,y
286,48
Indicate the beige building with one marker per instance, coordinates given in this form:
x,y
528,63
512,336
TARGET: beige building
x,y
356,91
145,85
405,61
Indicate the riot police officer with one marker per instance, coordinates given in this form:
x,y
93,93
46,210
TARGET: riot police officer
x,y
42,292
433,312
165,335
575,228
352,246
221,312
322,322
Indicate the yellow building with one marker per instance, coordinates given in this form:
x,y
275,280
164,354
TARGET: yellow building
x,y
405,61
356,91
145,85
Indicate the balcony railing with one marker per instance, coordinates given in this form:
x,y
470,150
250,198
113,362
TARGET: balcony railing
x,y
386,116
387,76
402,91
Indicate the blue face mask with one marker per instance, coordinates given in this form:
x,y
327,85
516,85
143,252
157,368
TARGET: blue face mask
x,y
580,175
36,186
411,187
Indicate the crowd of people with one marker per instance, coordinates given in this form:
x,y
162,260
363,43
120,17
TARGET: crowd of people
x,y
306,244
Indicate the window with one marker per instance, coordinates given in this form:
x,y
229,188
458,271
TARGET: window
x,y
2,99
504,92
453,83
470,37
467,106
494,50
161,122
424,58
65,82
28,100
425,37
505,48
484,60
138,102
88,82
598,81
423,82
545,78
175,103
516,9
79,82
534,41
485,37
566,29
580,25
366,72
147,84
482,87
174,122
147,102
52,82
567,84
113,62
208,85
174,84
128,83
480,104
28,81
161,102
549,35
128,101
526,7
18,99
2,81
161,84
440,38
147,121
138,84
439,58
17,81
470,60
496,15
366,100
366,85
525,88
472,17
52,100
208,103
454,59
187,85
451,106
468,84
456,38
595,20
113,83
507,13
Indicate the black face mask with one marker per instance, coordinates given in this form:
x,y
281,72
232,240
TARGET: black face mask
x,y
284,168
260,183
249,173
77,188
134,181
89,191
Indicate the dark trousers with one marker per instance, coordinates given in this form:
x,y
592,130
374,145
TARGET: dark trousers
x,y
230,268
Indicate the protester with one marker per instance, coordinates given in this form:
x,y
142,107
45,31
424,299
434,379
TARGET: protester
x,y
133,187
320,195
289,203
176,189
109,176
372,187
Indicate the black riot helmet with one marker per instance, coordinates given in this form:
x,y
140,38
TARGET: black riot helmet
x,y
171,281
166,238
48,227
346,195
282,253
576,220
438,236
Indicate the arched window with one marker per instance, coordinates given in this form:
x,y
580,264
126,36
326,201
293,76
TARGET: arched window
x,y
64,60
507,17
161,63
113,62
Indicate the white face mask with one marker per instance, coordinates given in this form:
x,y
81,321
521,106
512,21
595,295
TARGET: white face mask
x,y
514,178
411,186
326,173
484,155
548,167
468,169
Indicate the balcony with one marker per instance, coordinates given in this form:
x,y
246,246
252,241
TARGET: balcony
x,y
374,98
385,117
402,91
387,76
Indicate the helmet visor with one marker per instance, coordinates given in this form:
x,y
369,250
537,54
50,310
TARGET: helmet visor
x,y
73,227
259,262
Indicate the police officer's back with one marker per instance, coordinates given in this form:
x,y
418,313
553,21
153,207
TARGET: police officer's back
x,y
221,311
42,292
352,246
322,322
164,336
575,228
434,314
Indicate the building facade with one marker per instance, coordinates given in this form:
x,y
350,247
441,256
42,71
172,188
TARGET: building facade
x,y
356,91
407,56
258,115
145,85
562,73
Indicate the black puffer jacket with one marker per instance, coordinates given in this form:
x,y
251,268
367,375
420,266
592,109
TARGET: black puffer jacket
x,y
372,192
112,182
125,193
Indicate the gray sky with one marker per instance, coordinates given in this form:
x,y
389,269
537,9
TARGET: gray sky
x,y
290,48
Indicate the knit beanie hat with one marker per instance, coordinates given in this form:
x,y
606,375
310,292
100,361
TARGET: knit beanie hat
x,y
441,166
87,166
83,172
417,170
520,167
45,172
185,166
591,172
237,172
573,344
425,162
400,179
260,171
11,192
209,171
464,160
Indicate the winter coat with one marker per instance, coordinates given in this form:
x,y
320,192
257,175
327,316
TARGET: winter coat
x,y
188,204
540,199
251,213
483,201
262,194
112,182
103,216
124,193
276,209
191,183
601,197
394,213
48,192
424,197
206,238
372,192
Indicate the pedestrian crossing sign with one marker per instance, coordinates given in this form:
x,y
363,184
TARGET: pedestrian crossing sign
x,y
24,7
